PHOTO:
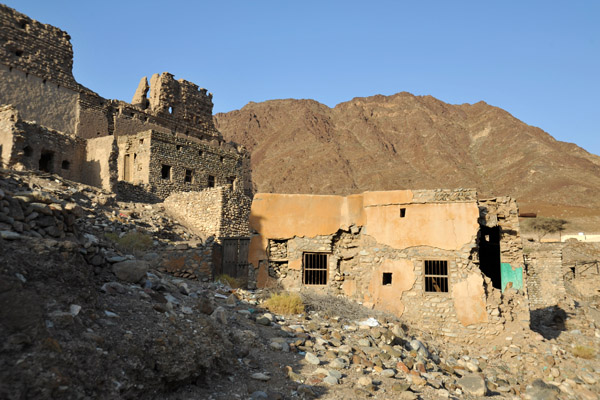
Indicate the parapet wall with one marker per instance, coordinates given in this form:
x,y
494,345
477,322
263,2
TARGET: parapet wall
x,y
35,48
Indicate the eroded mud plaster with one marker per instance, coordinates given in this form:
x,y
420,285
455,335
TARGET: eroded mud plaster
x,y
411,253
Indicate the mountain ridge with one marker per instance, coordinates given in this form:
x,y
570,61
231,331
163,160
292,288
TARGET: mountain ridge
x,y
403,141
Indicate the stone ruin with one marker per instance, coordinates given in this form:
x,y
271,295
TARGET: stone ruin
x,y
163,142
441,259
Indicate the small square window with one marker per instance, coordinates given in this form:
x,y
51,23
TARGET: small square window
x,y
387,278
402,212
211,181
179,147
166,172
141,141
200,153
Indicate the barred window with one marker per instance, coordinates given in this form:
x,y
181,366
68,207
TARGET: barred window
x,y
314,269
436,276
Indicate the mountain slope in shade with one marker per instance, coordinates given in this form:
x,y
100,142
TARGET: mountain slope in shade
x,y
411,142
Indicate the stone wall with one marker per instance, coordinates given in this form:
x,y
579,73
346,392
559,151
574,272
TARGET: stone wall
x,y
205,165
545,275
35,147
35,48
100,168
216,212
39,100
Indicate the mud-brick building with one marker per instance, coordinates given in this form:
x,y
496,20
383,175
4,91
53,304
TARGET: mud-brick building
x,y
163,142
439,258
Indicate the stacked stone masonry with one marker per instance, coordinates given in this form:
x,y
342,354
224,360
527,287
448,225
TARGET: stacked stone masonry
x,y
545,274
218,212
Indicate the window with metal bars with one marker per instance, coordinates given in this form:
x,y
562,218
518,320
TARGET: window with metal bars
x,y
436,276
314,269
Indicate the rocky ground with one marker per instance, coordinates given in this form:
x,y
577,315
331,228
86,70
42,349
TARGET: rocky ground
x,y
80,317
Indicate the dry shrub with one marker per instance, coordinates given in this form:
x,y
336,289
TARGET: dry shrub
x,y
285,303
584,352
131,241
229,280
332,306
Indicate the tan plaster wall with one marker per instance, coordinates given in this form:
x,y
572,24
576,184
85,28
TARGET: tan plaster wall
x,y
388,297
442,225
46,103
469,303
97,169
287,215
445,226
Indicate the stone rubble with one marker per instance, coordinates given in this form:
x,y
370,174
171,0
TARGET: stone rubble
x,y
97,320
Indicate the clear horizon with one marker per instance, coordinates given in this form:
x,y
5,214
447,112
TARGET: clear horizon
x,y
537,60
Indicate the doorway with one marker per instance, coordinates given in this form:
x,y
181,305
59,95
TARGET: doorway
x,y
489,254
46,161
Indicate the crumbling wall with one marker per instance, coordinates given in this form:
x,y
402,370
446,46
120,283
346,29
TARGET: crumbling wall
x,y
35,48
35,147
379,248
545,275
207,165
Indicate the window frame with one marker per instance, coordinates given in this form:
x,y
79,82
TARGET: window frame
x,y
425,276
304,269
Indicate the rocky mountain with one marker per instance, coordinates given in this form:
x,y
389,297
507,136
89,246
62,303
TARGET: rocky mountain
x,y
412,142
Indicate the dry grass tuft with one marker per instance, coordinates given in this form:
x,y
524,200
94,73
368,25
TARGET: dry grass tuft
x,y
285,303
229,280
584,352
131,241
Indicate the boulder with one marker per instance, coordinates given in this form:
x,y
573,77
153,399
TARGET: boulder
x,y
131,270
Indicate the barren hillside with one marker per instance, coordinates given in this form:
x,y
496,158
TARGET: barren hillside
x,y
405,141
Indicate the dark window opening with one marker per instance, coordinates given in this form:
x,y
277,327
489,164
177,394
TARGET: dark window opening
x,y
387,278
165,172
222,159
231,180
489,254
402,212
436,276
211,181
27,151
188,176
46,161
200,153
19,53
178,147
43,81
314,269
141,141
65,164
23,24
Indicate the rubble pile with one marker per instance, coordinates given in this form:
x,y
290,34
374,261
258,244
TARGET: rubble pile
x,y
83,317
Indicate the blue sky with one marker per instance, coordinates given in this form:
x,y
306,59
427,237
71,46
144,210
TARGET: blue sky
x,y
539,60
